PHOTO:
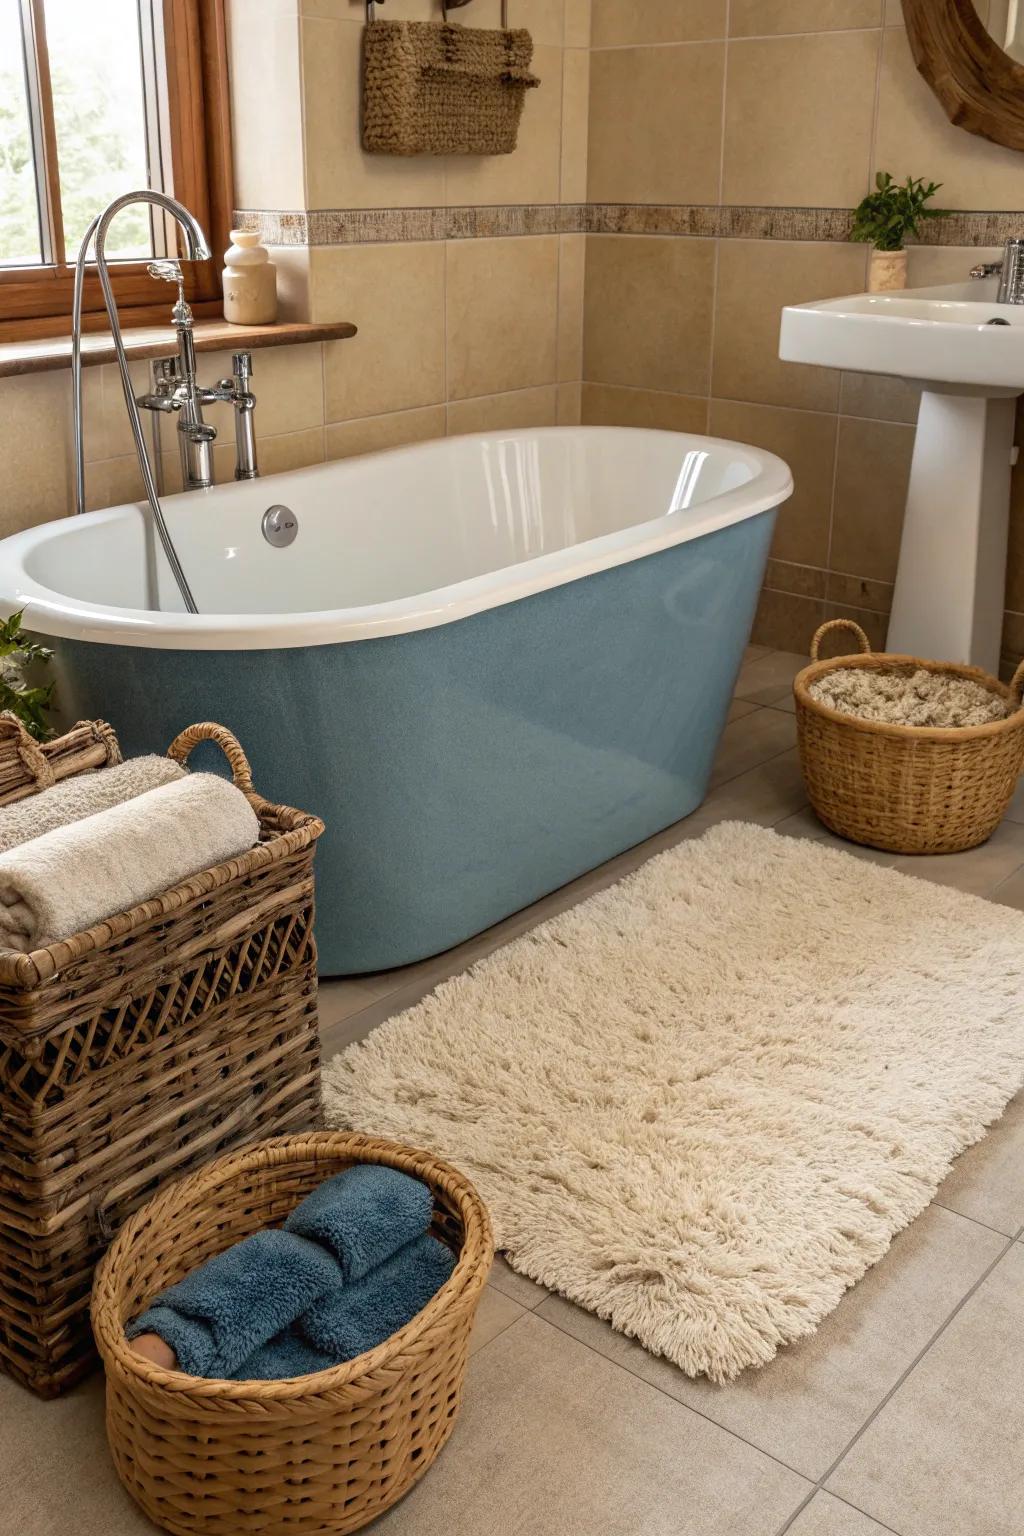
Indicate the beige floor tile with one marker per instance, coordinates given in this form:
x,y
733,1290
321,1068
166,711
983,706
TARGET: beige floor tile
x,y
807,1404
769,679
752,740
495,1313
979,870
987,1181
753,651
1010,892
1015,812
56,1475
826,1515
555,1441
766,795
806,824
518,1288
738,708
943,1456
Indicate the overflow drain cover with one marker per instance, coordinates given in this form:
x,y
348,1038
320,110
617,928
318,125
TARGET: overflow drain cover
x,y
280,526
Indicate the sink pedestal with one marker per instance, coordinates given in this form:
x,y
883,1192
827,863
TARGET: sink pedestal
x,y
949,596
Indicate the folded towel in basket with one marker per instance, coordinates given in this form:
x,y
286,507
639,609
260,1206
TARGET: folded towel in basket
x,y
223,1312
286,1356
83,794
364,1215
346,1322
76,875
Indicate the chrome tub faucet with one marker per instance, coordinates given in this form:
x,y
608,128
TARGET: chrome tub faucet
x,y
1010,271
177,389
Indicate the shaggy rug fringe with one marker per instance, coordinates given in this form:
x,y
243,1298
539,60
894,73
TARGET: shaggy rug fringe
x,y
702,1103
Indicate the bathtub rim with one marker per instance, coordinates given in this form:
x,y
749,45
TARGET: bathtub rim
x,y
55,614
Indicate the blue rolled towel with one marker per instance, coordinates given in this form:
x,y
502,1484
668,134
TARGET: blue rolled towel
x,y
364,1215
358,1317
220,1314
286,1356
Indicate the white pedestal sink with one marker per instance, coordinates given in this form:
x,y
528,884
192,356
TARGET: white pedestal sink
x,y
968,353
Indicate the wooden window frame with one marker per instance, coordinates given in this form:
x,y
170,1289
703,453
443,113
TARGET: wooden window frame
x,y
36,301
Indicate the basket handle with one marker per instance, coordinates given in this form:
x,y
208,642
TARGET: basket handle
x,y
31,753
1017,682
207,730
819,635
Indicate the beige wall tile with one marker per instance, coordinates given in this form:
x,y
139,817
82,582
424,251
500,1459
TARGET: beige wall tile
x,y
372,434
291,450
930,265
755,279
804,580
647,314
113,481
610,405
543,19
798,119
807,442
577,23
872,473
339,174
859,592
266,108
572,250
493,413
765,18
913,130
501,308
616,22
656,124
288,383
875,395
532,173
395,294
575,124
569,404
35,457
786,622
292,263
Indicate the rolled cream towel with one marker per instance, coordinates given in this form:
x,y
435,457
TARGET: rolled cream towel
x,y
77,875
83,795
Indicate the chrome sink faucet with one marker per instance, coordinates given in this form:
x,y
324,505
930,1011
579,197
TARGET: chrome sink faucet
x,y
177,389
1010,271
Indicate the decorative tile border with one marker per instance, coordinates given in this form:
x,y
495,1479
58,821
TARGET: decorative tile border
x,y
367,226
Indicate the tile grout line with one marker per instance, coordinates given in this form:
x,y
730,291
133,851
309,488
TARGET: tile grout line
x,y
653,1386
873,1415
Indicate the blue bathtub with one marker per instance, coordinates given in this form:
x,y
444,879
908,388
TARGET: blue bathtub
x,y
527,665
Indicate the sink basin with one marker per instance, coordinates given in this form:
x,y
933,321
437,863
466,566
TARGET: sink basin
x,y
942,335
948,597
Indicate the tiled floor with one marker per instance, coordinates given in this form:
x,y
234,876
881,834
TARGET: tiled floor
x,y
903,1413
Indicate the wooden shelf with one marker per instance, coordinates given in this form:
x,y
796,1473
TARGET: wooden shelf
x,y
44,356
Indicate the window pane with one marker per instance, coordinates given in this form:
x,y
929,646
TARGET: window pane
x,y
20,243
96,70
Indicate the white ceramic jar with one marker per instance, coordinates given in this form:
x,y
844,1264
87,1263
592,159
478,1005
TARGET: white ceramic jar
x,y
250,281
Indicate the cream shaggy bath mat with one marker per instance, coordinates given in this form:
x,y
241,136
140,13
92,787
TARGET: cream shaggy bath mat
x,y
703,1102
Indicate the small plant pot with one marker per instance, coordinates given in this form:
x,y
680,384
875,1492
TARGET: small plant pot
x,y
887,271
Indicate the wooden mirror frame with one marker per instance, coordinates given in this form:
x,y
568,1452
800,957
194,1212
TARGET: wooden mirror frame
x,y
980,87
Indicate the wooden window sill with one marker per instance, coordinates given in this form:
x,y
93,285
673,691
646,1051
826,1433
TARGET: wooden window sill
x,y
17,357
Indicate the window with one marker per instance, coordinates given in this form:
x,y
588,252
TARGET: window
x,y
95,100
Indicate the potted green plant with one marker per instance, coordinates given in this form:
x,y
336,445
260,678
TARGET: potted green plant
x,y
19,696
885,218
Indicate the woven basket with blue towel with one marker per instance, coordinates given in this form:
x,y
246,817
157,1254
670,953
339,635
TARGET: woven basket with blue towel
x,y
322,1452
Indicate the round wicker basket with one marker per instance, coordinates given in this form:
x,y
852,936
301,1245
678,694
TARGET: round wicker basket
x,y
904,788
326,1453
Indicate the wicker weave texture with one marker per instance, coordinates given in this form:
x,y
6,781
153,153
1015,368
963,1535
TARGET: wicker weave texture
x,y
133,1052
320,1454
443,90
906,789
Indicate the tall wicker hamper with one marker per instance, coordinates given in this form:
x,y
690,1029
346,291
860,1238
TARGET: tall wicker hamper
x,y
318,1455
134,1052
